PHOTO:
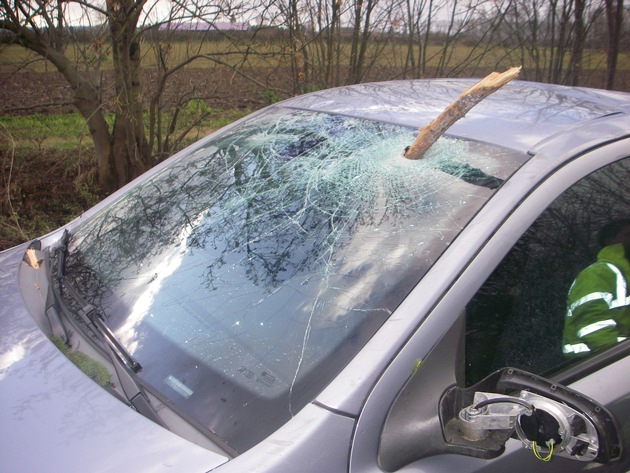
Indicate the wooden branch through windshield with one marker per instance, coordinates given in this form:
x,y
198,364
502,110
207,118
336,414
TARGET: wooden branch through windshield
x,y
456,110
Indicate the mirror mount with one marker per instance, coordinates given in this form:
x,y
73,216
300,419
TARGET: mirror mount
x,y
548,418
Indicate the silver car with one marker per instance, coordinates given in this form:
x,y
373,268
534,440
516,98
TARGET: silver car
x,y
290,294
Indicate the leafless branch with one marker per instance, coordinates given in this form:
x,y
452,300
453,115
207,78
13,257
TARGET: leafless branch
x,y
456,110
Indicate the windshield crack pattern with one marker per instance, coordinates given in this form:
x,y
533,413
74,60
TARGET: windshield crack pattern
x,y
261,262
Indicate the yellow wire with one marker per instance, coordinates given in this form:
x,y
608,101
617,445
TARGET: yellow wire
x,y
537,453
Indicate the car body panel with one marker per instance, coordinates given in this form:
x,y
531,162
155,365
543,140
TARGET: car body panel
x,y
314,441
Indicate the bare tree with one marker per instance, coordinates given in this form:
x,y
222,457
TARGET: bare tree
x,y
579,40
377,31
123,150
129,151
39,26
553,39
559,29
614,20
180,41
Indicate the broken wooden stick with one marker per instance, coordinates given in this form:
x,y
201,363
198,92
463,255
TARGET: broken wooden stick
x,y
456,110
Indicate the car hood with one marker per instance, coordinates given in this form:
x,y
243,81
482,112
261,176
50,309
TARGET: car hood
x,y
50,407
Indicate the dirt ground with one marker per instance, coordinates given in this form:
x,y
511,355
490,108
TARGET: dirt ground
x,y
47,92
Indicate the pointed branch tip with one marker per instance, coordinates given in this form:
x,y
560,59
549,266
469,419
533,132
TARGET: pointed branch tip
x,y
457,109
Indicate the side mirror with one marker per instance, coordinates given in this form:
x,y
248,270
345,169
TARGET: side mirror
x,y
548,418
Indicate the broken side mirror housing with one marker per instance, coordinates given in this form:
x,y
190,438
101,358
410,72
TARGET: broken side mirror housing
x,y
548,418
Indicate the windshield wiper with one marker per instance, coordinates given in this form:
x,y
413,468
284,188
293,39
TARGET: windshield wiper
x,y
92,319
124,363
88,312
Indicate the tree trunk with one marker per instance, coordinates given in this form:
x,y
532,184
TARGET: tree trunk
x,y
579,39
331,56
562,41
130,151
354,47
86,99
422,59
614,18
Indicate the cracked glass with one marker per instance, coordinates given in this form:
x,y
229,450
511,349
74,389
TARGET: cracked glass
x,y
247,273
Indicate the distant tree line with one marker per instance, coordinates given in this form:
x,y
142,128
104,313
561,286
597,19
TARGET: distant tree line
x,y
318,43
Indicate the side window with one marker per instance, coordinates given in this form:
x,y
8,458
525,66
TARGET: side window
x,y
518,316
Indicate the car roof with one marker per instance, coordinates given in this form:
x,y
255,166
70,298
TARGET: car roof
x,y
518,116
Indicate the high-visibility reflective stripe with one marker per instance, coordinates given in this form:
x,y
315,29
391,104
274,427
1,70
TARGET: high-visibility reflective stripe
x,y
613,301
575,348
607,297
584,331
582,347
622,290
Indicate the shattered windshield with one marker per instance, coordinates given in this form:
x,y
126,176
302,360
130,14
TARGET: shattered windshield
x,y
245,275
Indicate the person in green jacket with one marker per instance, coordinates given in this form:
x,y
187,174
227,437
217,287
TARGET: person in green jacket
x,y
598,314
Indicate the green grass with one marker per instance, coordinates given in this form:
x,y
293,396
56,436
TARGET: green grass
x,y
45,131
69,131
